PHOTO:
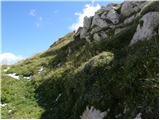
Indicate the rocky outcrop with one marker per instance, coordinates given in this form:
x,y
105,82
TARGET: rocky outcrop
x,y
116,17
100,36
113,16
98,21
150,6
129,19
106,9
83,33
78,32
87,22
104,18
147,27
131,7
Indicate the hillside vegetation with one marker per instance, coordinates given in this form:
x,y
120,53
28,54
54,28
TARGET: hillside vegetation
x,y
111,65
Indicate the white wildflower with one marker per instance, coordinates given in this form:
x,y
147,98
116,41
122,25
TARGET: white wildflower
x,y
93,113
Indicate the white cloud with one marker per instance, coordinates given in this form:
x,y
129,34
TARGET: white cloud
x,y
33,12
9,58
39,19
88,11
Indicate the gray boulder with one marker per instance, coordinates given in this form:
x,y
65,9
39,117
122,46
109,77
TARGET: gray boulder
x,y
98,21
95,29
100,36
113,16
87,22
78,32
147,27
129,19
119,30
83,33
150,6
96,37
108,8
105,9
130,7
111,6
103,35
88,38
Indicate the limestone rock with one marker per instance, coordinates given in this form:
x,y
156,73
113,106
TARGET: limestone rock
x,y
88,38
108,8
130,7
118,30
103,35
87,22
129,19
96,37
111,6
97,21
83,33
100,36
150,6
95,30
78,32
113,16
147,27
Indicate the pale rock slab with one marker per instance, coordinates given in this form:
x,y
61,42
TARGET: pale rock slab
x,y
146,29
130,7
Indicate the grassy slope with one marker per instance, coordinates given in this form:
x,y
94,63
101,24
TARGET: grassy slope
x,y
84,76
19,97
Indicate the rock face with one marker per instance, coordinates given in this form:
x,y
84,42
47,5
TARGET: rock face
x,y
147,27
87,22
113,16
104,18
98,21
131,7
83,33
150,6
100,36
78,31
129,19
116,17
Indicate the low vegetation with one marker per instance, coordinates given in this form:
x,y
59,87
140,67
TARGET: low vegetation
x,y
117,79
107,75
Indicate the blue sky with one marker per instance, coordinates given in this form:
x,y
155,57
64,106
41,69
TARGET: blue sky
x,y
31,27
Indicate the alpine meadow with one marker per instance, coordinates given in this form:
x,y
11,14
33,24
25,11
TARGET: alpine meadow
x,y
108,68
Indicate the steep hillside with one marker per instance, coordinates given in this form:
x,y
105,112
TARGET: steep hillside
x,y
106,69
